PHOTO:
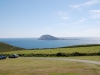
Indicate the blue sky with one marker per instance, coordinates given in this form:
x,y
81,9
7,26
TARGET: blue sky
x,y
60,18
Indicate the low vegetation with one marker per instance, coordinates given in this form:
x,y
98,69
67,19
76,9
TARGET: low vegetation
x,y
86,45
62,52
35,66
26,64
78,50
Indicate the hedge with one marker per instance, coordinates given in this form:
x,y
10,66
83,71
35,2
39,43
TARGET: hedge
x,y
59,54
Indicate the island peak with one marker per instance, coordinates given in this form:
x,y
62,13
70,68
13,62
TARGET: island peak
x,y
48,37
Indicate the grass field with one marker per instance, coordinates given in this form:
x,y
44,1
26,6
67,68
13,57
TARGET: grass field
x,y
34,66
56,50
94,58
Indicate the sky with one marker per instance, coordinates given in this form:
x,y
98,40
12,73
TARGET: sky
x,y
60,18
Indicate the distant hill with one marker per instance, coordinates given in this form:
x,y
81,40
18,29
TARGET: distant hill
x,y
84,45
48,37
6,47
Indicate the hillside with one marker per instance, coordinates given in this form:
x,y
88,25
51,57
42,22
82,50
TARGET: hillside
x,y
84,45
4,47
81,48
78,50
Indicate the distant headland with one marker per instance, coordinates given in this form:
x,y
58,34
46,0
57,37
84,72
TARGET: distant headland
x,y
50,37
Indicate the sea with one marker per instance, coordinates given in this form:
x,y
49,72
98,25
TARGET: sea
x,y
32,43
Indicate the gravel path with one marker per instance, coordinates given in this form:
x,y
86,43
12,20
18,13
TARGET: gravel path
x,y
74,60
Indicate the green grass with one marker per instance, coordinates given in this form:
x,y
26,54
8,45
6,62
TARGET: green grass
x,y
35,66
54,51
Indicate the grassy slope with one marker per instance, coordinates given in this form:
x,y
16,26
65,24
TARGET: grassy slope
x,y
33,66
6,47
53,51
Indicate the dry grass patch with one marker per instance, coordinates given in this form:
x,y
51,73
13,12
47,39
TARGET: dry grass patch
x,y
31,66
94,58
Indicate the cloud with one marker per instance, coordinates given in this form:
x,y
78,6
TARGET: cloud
x,y
63,15
91,2
80,21
95,14
88,3
76,6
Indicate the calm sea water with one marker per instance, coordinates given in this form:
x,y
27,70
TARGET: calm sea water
x,y
30,43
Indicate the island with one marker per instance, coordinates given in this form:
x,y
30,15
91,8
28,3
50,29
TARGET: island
x,y
48,37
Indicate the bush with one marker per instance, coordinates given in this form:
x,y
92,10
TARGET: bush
x,y
59,54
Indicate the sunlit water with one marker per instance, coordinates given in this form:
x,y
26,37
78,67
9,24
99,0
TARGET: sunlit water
x,y
30,43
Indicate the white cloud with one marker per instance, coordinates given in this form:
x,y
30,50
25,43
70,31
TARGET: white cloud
x,y
95,14
88,3
91,2
63,15
80,21
75,6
